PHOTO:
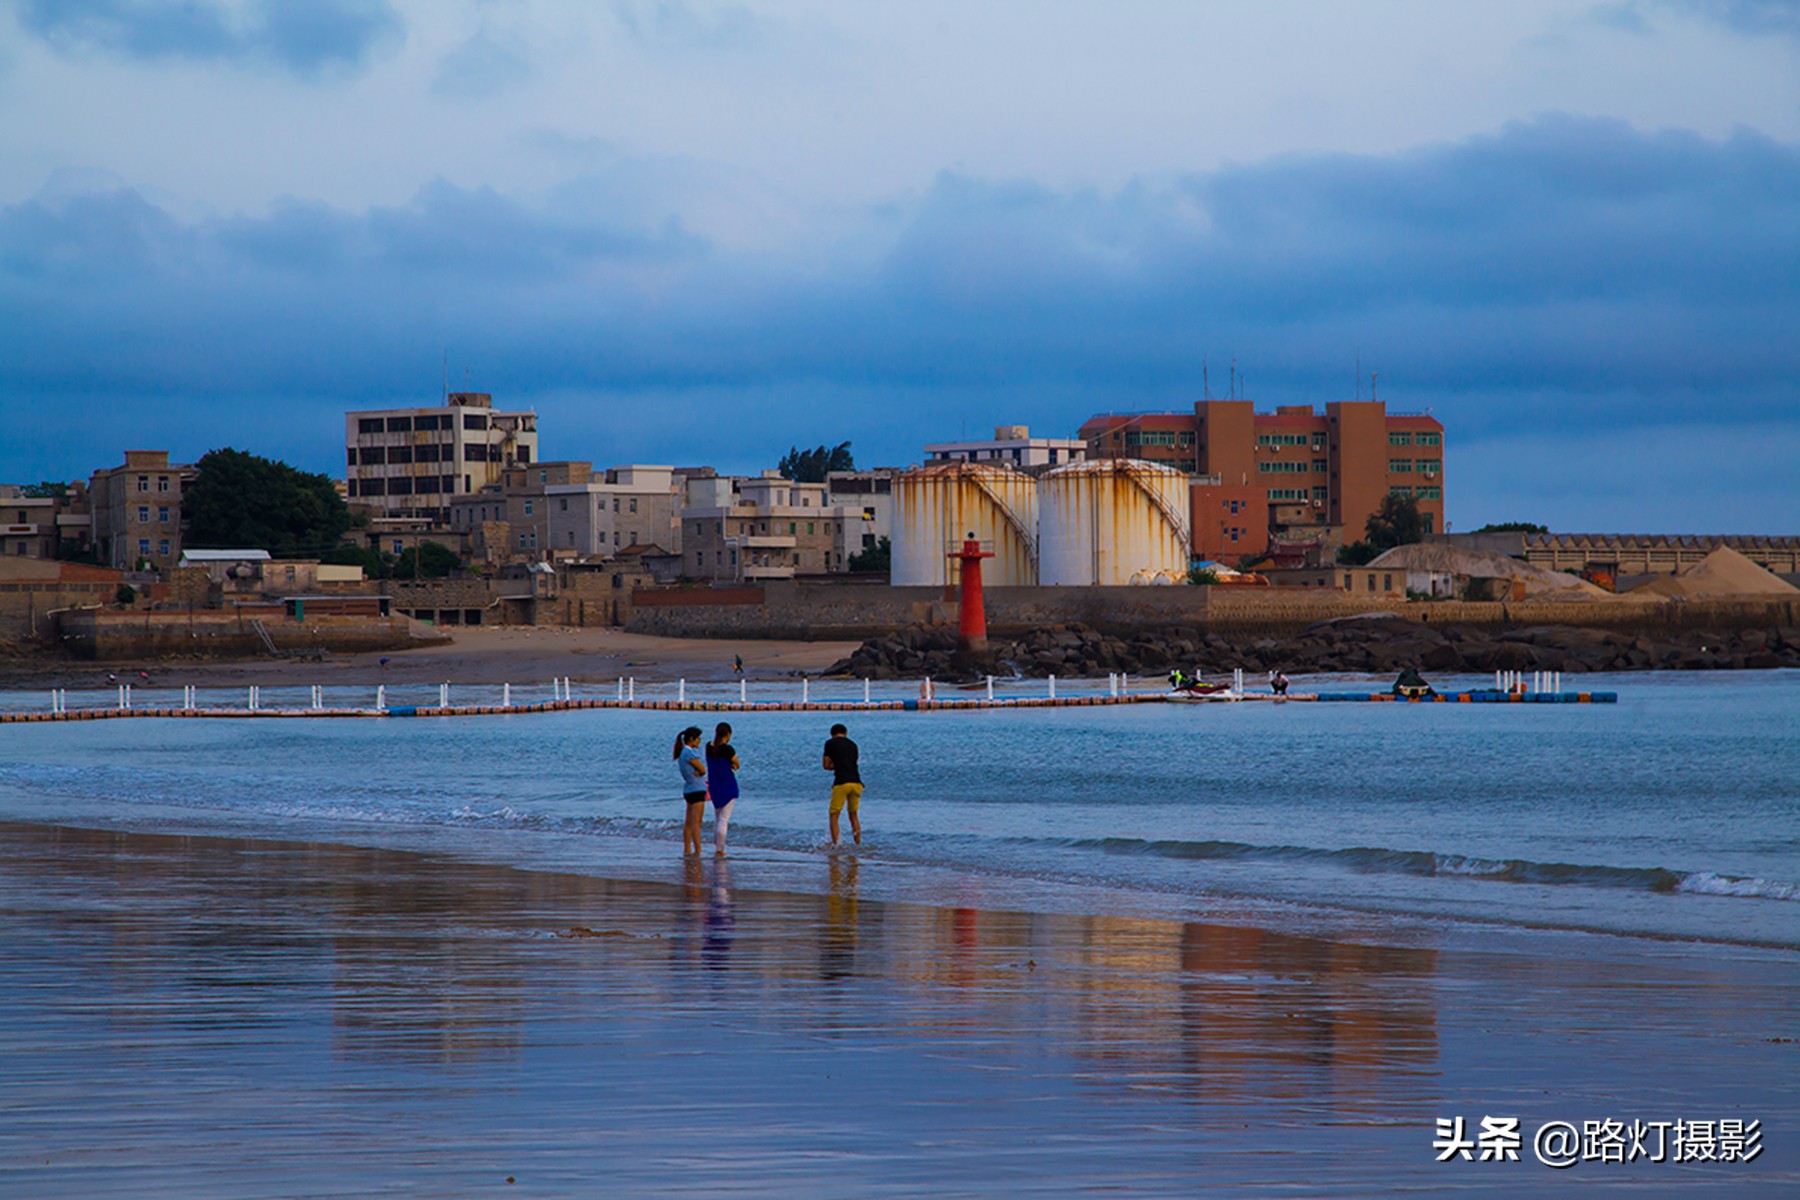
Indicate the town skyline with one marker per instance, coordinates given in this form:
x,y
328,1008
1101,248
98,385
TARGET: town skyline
x,y
694,232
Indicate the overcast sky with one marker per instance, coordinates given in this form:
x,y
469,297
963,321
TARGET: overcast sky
x,y
694,232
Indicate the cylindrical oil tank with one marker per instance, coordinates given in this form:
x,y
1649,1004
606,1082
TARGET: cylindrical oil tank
x,y
1107,520
939,505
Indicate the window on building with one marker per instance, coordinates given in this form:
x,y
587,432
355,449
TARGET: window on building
x,y
162,514
1428,465
809,528
1429,439
1402,492
543,477
1234,535
1430,493
143,545
143,483
1400,439
634,504
1400,466
1320,465
1053,456
399,546
521,541
1287,493
1282,439
1371,583
1387,583
1429,522
162,547
563,503
1186,439
399,424
1283,466
1319,494
528,507
369,425
475,421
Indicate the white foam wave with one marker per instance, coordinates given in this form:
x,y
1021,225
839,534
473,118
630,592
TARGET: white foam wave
x,y
1707,883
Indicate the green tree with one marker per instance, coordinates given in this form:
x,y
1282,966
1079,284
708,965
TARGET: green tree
x,y
810,466
1202,576
48,489
1355,554
428,560
1396,523
1513,527
244,501
879,557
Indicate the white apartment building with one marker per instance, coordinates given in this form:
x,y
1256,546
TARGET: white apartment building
x,y
871,492
1011,446
411,462
632,505
765,528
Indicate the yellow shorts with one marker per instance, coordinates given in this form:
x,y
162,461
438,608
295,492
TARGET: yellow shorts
x,y
845,793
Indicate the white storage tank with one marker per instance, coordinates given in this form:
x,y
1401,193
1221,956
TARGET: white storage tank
x,y
941,504
1107,521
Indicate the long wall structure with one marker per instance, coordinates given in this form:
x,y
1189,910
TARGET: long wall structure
x,y
796,610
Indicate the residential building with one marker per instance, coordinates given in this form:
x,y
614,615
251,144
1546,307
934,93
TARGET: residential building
x,y
509,520
765,528
136,510
413,462
629,507
1013,446
35,523
872,491
1293,475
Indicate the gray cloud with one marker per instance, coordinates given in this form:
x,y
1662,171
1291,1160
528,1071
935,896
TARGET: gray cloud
x,y
306,37
1573,277
484,65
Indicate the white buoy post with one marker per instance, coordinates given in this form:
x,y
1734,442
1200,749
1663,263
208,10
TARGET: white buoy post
x,y
187,696
805,690
506,695
865,691
381,697
1053,687
631,688
990,689
743,691
681,691
443,695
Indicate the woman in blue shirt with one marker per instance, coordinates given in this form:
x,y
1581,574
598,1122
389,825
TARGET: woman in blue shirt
x,y
693,786
721,782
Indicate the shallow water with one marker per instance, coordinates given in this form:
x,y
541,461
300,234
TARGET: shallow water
x,y
1673,814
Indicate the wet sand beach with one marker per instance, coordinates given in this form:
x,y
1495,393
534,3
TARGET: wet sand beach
x,y
210,1016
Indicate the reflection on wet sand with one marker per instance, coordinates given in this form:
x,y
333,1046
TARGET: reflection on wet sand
x,y
249,987
423,957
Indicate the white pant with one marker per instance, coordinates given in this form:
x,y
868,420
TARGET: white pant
x,y
722,822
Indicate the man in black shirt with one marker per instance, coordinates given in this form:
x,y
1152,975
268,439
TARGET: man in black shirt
x,y
846,784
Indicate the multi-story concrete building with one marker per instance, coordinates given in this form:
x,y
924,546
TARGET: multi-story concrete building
x,y
629,506
1291,475
1012,446
871,492
509,520
765,528
137,510
413,462
36,522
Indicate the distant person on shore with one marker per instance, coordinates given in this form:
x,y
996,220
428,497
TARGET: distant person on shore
x,y
693,786
1278,683
737,664
721,783
840,759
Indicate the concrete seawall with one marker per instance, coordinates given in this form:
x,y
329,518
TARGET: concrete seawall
x,y
790,610
106,636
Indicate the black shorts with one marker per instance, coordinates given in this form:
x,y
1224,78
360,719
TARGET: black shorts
x,y
694,797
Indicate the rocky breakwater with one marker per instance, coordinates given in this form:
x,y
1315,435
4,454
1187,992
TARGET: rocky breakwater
x,y
1374,645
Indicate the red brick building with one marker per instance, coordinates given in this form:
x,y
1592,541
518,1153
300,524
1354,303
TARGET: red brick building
x,y
1293,475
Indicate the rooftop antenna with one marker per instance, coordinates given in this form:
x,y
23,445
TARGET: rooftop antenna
x,y
1205,384
1234,378
1359,373
1373,376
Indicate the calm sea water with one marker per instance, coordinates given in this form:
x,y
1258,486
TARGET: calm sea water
x,y
1673,814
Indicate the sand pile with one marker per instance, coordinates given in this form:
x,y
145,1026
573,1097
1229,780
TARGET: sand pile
x,y
1484,564
1724,572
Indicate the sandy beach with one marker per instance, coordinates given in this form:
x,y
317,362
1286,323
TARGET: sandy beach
x,y
477,654
198,1016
